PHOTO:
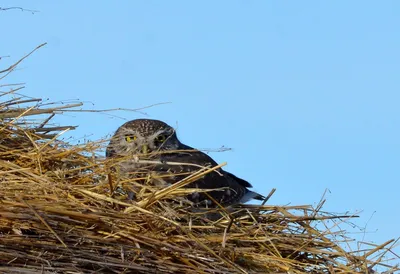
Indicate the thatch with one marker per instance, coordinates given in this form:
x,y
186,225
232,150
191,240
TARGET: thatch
x,y
62,211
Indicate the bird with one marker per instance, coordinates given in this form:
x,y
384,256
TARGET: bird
x,y
139,138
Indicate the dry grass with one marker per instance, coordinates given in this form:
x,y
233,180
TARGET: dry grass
x,y
61,212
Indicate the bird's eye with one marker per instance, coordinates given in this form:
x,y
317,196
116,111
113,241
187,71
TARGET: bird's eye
x,y
160,138
130,138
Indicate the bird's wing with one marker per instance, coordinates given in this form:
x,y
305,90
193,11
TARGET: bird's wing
x,y
238,180
189,155
217,179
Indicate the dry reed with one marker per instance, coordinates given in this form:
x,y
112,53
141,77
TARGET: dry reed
x,y
61,211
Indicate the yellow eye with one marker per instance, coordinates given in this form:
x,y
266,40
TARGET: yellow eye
x,y
130,138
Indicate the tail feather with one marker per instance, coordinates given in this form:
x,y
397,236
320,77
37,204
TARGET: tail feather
x,y
251,195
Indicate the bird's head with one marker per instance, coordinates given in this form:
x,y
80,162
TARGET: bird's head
x,y
142,136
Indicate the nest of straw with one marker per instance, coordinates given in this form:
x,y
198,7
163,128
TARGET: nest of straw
x,y
61,212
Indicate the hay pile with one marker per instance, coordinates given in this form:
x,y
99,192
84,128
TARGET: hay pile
x,y
61,211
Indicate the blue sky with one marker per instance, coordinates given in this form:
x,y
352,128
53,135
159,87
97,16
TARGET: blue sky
x,y
305,93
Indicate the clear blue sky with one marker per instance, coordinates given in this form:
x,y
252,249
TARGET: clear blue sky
x,y
306,93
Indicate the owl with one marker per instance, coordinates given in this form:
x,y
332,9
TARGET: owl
x,y
156,140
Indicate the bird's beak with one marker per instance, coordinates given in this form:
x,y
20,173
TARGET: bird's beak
x,y
145,149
